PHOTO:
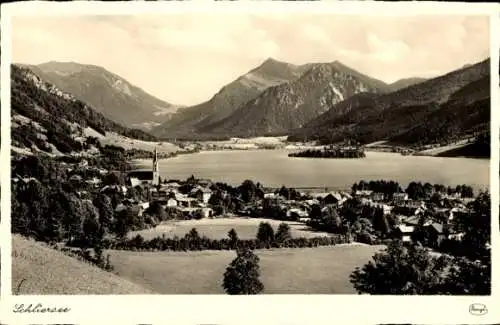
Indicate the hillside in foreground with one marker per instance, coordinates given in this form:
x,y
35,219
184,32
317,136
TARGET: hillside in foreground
x,y
43,270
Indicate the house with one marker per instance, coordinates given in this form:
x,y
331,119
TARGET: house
x,y
140,177
399,198
75,178
376,196
386,208
404,233
207,212
120,207
458,236
435,233
410,221
319,195
205,182
203,194
159,194
171,203
363,193
346,195
311,202
114,189
186,202
93,181
295,213
270,195
143,205
173,186
333,198
179,196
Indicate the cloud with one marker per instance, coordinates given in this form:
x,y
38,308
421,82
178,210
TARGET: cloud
x,y
185,59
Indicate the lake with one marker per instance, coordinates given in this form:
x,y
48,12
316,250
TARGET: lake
x,y
273,168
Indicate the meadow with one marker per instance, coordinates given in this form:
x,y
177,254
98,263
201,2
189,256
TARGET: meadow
x,y
218,228
38,269
320,270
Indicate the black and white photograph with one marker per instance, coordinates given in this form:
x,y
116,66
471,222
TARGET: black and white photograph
x,y
166,158
250,154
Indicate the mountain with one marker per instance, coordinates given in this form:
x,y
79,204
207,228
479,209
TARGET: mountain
x,y
435,110
272,98
291,105
48,119
110,94
229,98
406,82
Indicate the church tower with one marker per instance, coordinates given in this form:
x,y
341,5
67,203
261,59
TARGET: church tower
x,y
156,169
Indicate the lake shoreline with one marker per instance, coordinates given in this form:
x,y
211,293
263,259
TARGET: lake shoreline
x,y
273,168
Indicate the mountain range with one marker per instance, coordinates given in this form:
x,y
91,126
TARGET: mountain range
x,y
110,94
270,99
315,101
437,109
45,118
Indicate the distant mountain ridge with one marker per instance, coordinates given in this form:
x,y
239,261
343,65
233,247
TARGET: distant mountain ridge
x,y
45,118
288,106
110,94
229,98
436,109
272,98
406,82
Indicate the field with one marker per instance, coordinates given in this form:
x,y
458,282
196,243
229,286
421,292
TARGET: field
x,y
320,270
37,269
118,140
218,228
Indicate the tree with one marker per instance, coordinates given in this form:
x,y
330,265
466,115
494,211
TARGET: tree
x,y
248,191
111,179
106,214
123,223
380,222
283,233
92,233
233,238
193,235
155,209
265,233
331,219
477,228
468,277
401,270
315,213
242,275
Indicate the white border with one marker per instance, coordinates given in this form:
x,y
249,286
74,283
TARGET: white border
x,y
272,309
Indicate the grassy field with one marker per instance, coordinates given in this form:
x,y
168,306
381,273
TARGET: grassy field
x,y
320,270
37,269
218,228
118,140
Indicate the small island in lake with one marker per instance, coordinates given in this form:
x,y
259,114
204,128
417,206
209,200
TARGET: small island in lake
x,y
331,152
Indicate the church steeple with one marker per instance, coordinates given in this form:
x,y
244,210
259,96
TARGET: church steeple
x,y
156,169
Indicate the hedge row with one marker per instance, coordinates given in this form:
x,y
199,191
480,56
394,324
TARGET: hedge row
x,y
198,244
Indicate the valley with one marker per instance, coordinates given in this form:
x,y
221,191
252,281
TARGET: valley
x,y
145,196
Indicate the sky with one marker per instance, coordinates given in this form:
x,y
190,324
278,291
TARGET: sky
x,y
186,58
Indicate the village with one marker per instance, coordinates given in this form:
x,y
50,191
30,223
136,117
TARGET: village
x,y
386,213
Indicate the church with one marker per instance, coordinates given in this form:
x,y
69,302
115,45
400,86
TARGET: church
x,y
145,176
